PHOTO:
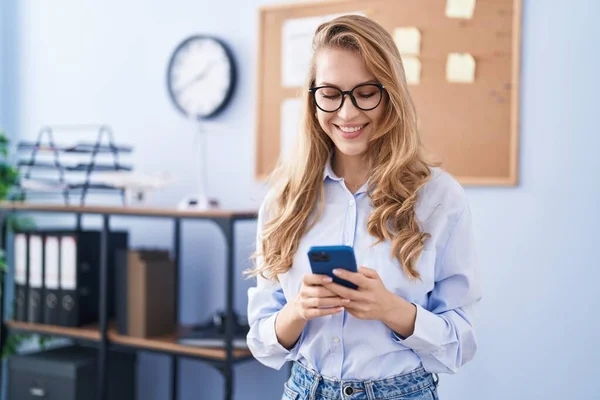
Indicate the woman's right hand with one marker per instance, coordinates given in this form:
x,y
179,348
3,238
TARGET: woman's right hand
x,y
314,300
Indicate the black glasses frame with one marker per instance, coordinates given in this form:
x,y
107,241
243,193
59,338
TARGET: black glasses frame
x,y
350,93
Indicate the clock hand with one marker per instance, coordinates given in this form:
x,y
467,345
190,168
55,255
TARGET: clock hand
x,y
195,79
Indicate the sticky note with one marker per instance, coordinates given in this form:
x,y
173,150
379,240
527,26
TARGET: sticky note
x,y
460,8
408,40
460,68
412,69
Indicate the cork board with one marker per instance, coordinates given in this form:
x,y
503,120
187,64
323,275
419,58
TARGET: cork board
x,y
473,127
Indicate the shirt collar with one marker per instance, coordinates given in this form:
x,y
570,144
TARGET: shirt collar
x,y
328,172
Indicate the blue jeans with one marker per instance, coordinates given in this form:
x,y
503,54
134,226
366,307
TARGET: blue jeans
x,y
305,384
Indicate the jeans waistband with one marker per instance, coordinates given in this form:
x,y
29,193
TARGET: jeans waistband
x,y
387,388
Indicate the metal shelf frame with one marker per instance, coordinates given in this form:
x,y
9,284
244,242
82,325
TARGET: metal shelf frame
x,y
225,220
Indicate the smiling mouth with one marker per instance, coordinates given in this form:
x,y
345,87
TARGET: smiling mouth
x,y
351,132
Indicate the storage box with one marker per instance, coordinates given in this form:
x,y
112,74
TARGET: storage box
x,y
145,293
69,373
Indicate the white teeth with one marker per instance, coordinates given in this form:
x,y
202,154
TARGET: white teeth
x,y
351,130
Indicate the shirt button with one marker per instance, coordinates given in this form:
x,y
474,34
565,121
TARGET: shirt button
x,y
336,339
351,203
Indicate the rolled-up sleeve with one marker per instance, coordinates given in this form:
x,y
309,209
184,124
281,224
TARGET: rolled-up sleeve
x,y
265,300
444,335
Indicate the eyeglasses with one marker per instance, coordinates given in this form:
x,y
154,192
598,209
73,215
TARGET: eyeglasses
x,y
365,97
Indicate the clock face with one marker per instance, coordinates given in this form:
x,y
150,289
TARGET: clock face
x,y
201,76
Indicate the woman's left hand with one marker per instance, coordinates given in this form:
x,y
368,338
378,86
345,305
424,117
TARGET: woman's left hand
x,y
372,300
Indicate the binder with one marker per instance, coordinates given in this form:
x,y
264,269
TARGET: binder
x,y
121,271
51,278
35,311
69,307
21,276
79,281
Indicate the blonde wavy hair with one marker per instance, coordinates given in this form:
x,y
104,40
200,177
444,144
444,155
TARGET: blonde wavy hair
x,y
395,158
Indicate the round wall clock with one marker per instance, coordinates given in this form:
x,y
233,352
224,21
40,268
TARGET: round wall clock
x,y
201,76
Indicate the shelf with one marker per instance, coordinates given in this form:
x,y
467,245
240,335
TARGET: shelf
x,y
54,185
81,147
163,344
127,210
108,338
83,167
168,344
90,332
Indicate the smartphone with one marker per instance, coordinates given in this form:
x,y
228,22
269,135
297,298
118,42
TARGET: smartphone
x,y
324,259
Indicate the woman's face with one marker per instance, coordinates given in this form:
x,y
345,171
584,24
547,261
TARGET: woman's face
x,y
349,127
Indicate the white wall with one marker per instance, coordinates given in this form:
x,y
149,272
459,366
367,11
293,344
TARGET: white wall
x,y
104,62
4,34
2,66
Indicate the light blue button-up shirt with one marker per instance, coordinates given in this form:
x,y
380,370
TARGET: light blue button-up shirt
x,y
344,347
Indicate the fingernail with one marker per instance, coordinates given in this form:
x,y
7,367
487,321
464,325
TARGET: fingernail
x,y
327,280
336,271
345,301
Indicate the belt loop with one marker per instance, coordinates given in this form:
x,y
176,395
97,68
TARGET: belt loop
x,y
436,379
313,387
369,390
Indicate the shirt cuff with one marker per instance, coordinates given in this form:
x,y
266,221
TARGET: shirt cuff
x,y
267,331
426,337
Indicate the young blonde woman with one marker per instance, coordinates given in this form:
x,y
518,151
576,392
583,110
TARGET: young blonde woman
x,y
358,177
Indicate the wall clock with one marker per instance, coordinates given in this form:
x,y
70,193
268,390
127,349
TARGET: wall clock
x,y
201,76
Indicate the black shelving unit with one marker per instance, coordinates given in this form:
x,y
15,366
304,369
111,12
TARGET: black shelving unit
x,y
105,338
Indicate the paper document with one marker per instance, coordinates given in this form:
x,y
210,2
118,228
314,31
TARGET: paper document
x,y
296,43
460,68
408,40
290,124
412,69
460,8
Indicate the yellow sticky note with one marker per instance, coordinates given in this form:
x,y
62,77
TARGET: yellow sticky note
x,y
460,8
408,40
412,69
460,68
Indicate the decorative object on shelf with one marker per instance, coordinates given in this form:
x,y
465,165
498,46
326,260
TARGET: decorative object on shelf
x,y
201,78
46,144
196,202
